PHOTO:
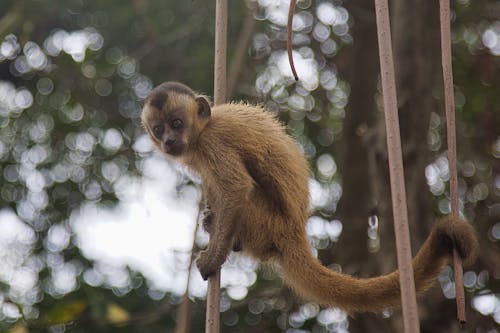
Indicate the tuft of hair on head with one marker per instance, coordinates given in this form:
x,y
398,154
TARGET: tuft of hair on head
x,y
159,95
176,87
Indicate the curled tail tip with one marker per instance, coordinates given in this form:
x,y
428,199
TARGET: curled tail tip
x,y
454,232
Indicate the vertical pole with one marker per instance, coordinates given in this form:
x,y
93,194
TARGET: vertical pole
x,y
212,324
220,52
399,207
213,304
452,145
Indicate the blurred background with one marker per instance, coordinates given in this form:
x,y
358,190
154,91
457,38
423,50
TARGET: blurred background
x,y
96,229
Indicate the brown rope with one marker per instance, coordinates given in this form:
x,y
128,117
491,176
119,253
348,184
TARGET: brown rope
x,y
213,294
291,10
452,145
403,245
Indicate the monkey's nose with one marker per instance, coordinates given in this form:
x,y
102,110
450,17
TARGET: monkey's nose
x,y
170,142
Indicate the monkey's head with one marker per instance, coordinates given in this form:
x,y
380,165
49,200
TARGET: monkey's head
x,y
174,116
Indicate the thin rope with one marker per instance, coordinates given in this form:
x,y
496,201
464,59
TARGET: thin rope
x,y
212,324
399,208
291,10
452,145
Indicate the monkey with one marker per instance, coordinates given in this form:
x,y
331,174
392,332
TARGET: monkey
x,y
255,181
207,216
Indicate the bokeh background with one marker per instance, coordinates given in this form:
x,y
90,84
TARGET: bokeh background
x,y
97,230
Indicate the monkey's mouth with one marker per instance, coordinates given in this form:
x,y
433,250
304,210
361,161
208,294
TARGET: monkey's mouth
x,y
174,150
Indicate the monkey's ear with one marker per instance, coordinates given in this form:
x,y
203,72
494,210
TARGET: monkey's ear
x,y
203,107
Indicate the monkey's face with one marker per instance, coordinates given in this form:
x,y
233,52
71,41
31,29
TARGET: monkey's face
x,y
174,120
169,133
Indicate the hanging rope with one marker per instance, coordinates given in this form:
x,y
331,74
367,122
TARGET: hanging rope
x,y
452,145
291,10
399,208
213,294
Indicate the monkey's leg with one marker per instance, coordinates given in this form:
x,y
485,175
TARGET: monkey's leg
x,y
221,242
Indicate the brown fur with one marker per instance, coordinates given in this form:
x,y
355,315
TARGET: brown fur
x,y
255,179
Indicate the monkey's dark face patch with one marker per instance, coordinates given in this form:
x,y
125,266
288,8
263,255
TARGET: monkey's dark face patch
x,y
176,87
169,134
159,96
173,146
158,100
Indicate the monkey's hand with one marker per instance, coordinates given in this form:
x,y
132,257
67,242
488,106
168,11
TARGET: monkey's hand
x,y
207,218
237,245
206,264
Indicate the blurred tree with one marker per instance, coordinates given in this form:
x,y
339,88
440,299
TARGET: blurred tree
x,y
73,75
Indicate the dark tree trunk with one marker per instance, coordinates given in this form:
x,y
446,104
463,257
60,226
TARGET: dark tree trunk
x,y
360,143
415,32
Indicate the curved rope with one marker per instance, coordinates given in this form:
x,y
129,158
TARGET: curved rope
x,y
291,10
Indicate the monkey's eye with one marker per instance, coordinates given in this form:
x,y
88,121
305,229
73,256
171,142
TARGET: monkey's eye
x,y
177,123
158,131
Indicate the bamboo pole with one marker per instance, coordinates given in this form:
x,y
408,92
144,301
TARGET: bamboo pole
x,y
452,145
212,324
399,207
213,294
220,85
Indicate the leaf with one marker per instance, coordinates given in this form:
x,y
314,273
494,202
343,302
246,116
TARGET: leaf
x,y
65,312
19,328
116,314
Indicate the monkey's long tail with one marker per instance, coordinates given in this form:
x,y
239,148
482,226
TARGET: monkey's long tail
x,y
314,282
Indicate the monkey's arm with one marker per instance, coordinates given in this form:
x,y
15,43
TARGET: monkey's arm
x,y
232,185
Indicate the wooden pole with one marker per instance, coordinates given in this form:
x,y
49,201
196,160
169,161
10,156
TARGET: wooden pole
x,y
213,295
220,85
399,207
452,145
212,324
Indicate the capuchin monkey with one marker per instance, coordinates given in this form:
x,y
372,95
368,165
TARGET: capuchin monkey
x,y
255,181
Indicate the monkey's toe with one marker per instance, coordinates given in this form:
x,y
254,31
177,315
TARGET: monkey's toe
x,y
237,246
459,234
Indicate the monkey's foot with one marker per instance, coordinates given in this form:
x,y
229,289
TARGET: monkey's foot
x,y
206,264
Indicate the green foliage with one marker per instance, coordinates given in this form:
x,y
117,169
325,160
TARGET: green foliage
x,y
73,76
